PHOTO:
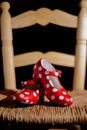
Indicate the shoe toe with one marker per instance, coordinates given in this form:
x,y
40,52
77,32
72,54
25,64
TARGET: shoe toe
x,y
59,96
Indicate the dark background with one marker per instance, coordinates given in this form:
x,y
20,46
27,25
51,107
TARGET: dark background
x,y
42,38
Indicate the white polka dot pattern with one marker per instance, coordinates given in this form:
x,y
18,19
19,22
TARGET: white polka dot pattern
x,y
47,85
40,76
53,97
56,73
64,93
34,94
39,68
27,96
27,93
58,95
54,90
21,95
61,97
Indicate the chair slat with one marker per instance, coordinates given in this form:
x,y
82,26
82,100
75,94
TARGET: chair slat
x,y
44,16
56,58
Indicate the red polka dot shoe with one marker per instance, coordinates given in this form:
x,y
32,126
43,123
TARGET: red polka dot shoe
x,y
45,73
29,94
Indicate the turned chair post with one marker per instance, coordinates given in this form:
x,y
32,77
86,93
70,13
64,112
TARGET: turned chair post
x,y
80,60
7,47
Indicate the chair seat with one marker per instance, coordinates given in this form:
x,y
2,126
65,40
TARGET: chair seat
x,y
45,112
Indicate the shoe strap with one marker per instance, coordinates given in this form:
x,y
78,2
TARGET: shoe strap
x,y
56,73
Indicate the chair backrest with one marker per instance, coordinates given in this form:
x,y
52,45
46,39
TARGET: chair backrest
x,y
44,16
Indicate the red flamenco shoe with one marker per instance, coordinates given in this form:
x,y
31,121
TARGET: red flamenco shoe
x,y
29,95
45,73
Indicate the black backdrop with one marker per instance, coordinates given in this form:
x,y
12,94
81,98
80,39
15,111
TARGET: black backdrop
x,y
43,38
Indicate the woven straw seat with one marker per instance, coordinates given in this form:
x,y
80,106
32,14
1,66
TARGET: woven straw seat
x,y
44,112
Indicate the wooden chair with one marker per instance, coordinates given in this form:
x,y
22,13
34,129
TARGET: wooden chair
x,y
43,114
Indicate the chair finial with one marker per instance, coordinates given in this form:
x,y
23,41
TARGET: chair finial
x,y
83,3
5,5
